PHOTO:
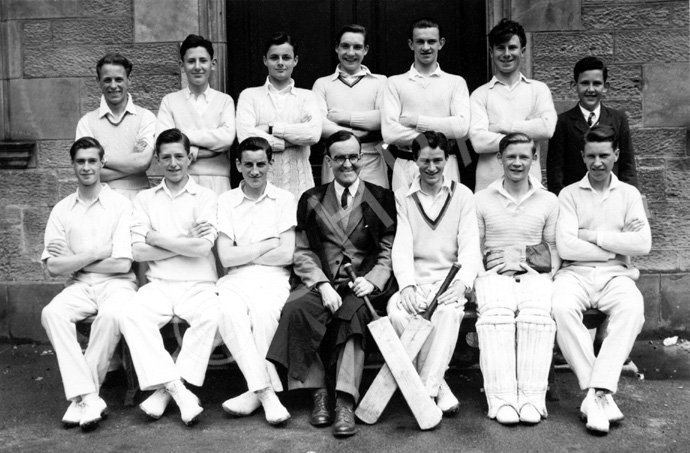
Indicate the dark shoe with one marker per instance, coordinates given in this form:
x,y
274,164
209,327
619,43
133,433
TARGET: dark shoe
x,y
320,413
344,425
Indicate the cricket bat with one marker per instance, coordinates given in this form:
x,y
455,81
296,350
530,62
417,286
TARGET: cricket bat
x,y
425,411
384,385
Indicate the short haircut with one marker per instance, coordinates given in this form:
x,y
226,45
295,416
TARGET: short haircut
x,y
172,136
514,139
590,63
192,41
504,31
255,144
352,28
425,22
431,139
86,143
279,38
601,133
340,136
114,59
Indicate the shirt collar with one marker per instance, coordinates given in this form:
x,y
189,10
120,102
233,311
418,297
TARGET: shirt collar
x,y
497,185
339,189
494,80
364,71
208,93
103,197
585,112
414,74
238,196
585,184
271,89
191,187
416,186
104,108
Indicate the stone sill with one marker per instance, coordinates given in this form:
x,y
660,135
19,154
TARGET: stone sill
x,y
17,155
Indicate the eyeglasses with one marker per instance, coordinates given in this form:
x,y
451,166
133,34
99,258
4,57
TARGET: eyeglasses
x,y
353,158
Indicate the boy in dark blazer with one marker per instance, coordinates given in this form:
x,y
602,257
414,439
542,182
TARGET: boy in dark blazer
x,y
564,164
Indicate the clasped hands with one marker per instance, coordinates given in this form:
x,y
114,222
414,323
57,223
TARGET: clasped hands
x,y
331,299
508,260
413,302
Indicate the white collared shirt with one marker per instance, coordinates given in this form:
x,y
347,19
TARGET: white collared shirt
x,y
534,184
352,190
202,101
414,74
586,113
278,96
432,204
104,110
84,227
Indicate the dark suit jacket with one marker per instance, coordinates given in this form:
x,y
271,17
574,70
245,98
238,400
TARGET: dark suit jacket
x,y
564,164
323,244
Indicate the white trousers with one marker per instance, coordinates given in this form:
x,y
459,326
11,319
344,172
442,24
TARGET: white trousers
x,y
84,373
516,352
612,290
405,171
154,305
249,314
437,351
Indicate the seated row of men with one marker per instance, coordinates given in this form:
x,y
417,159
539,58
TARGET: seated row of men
x,y
313,332
386,114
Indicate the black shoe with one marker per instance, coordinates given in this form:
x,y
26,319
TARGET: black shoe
x,y
344,425
321,413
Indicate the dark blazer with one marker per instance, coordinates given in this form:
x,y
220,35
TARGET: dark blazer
x,y
564,164
323,244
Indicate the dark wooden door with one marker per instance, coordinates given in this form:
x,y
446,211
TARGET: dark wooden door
x,y
314,23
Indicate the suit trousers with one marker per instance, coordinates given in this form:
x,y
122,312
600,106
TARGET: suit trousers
x,y
250,306
612,290
437,351
84,373
154,305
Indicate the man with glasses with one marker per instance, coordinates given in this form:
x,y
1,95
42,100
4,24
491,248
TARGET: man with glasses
x,y
323,325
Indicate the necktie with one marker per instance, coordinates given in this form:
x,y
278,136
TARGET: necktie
x,y
343,199
590,119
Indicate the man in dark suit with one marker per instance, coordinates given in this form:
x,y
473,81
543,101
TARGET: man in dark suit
x,y
564,164
322,328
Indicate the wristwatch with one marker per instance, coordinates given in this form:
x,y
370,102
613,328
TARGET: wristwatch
x,y
270,128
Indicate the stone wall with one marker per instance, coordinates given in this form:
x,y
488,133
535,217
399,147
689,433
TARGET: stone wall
x,y
645,44
49,48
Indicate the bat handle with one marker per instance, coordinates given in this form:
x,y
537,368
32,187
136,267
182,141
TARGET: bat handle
x,y
444,286
367,302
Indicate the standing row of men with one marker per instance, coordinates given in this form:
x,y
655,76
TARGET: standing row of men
x,y
321,334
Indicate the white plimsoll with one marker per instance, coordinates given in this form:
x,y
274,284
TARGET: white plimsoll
x,y
72,416
93,409
186,401
242,405
536,332
595,410
497,360
613,413
445,400
275,412
154,406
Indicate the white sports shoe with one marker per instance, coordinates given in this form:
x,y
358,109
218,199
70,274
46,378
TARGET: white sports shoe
x,y
73,415
612,412
594,408
93,410
186,401
507,415
273,408
529,414
446,401
154,406
242,405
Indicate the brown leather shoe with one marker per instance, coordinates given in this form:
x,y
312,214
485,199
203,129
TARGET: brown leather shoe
x,y
321,413
344,425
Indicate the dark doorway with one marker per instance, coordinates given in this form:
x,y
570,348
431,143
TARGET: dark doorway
x,y
314,23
